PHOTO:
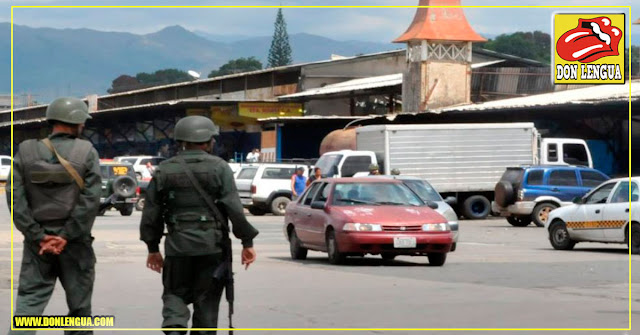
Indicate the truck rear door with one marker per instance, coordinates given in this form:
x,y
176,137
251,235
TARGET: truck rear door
x,y
244,180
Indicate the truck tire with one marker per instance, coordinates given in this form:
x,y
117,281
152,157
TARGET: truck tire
x,y
519,221
279,205
126,210
476,207
504,194
257,211
541,212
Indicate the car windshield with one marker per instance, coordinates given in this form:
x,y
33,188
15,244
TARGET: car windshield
x,y
423,189
349,194
328,164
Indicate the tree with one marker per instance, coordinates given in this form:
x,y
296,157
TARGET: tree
x,y
237,66
125,83
163,77
280,51
533,45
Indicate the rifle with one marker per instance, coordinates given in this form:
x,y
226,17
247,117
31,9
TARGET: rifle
x,y
224,272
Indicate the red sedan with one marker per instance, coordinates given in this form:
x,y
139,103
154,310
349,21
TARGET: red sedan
x,y
358,216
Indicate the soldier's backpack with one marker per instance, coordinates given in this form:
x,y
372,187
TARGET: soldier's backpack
x,y
53,189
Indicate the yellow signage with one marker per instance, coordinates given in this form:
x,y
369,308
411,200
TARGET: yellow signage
x,y
260,110
589,48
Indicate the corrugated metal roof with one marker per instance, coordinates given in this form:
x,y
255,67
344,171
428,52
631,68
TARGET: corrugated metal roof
x,y
588,95
349,86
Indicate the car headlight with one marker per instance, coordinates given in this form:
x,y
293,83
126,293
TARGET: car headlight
x,y
361,227
436,227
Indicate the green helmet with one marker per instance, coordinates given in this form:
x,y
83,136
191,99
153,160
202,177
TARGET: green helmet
x,y
68,110
373,167
395,172
195,129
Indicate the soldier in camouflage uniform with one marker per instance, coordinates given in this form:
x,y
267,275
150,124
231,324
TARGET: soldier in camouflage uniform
x,y
56,193
193,245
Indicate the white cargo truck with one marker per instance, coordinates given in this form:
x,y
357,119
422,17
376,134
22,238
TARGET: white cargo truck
x,y
460,160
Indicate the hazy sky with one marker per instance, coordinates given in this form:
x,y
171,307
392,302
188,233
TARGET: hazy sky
x,y
371,24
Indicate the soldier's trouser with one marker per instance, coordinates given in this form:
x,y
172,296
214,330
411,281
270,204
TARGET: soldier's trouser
x,y
75,267
188,280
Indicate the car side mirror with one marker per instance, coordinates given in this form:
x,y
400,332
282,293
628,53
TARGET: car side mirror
x,y
578,200
451,201
432,205
318,205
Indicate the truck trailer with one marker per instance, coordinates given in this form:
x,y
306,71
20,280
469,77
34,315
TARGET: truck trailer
x,y
460,160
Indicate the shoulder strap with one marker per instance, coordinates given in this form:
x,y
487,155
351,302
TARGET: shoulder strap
x,y
80,151
205,196
65,163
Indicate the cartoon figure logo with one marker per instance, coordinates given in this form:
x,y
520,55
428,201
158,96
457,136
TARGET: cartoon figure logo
x,y
591,40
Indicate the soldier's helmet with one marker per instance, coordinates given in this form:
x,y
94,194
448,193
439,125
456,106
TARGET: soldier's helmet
x,y
373,167
68,110
395,172
195,129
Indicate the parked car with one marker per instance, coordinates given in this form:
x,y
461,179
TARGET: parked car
x,y
5,168
119,187
140,164
428,194
357,216
266,187
603,215
530,193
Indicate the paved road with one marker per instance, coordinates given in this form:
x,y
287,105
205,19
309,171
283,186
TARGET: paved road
x,y
500,277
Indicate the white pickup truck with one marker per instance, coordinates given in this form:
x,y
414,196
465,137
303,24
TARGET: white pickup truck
x,y
460,160
266,187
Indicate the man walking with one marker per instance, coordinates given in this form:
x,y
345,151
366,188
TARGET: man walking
x,y
298,183
193,193
56,194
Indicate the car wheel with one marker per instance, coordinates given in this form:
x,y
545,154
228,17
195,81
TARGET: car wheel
x,y
437,259
279,205
635,238
140,204
559,236
476,207
257,211
295,246
335,256
541,213
127,210
519,221
388,257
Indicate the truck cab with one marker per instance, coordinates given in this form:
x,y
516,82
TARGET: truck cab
x,y
565,151
345,163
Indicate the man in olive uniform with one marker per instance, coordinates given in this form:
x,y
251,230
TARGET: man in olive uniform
x,y
56,193
194,244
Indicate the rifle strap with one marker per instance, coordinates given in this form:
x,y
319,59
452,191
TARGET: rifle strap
x,y
205,196
65,163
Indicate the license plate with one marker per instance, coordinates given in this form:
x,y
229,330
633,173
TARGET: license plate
x,y
404,242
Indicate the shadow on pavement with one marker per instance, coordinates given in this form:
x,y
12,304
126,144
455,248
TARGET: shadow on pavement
x,y
353,261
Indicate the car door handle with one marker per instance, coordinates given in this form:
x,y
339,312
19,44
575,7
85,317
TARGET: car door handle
x,y
626,210
597,211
